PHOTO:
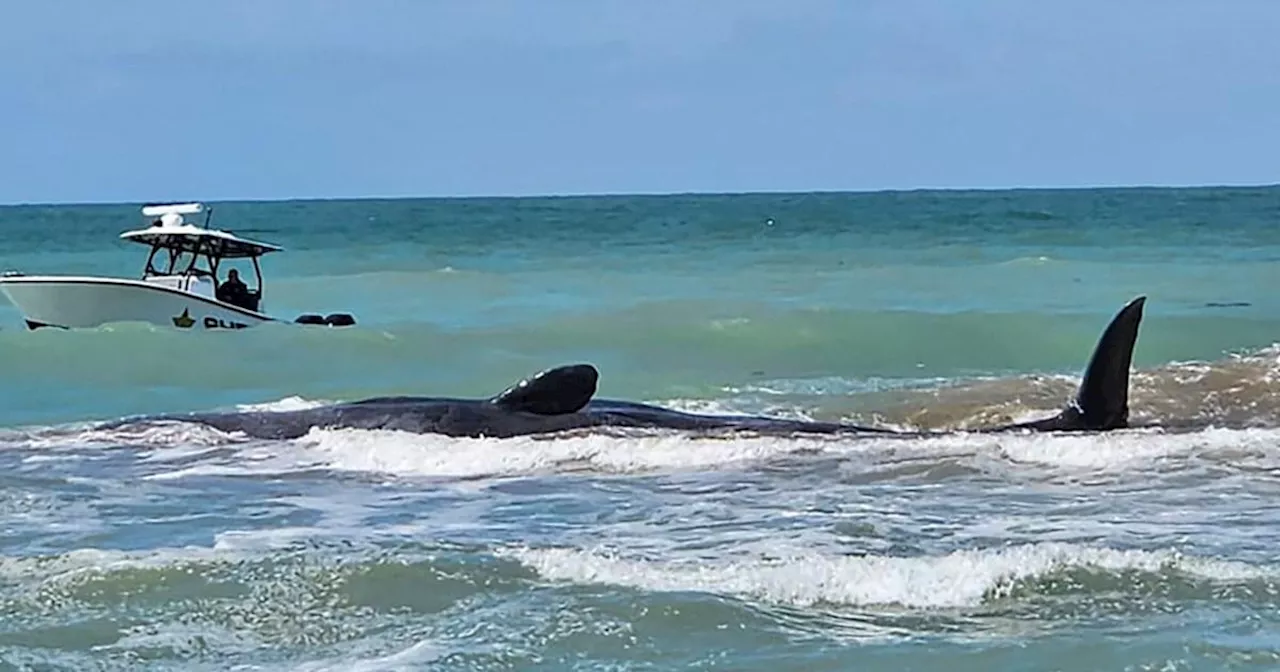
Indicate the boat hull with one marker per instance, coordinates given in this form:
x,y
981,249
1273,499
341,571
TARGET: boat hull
x,y
74,302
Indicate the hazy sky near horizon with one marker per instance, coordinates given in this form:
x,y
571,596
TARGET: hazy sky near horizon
x,y
141,100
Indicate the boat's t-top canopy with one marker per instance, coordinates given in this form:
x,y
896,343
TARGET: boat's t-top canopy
x,y
160,209
206,248
170,232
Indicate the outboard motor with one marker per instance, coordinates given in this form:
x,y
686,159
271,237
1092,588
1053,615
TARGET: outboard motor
x,y
331,320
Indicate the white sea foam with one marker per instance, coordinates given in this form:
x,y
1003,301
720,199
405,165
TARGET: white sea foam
x,y
73,564
417,654
841,386
402,453
398,453
707,406
294,403
960,579
186,640
158,434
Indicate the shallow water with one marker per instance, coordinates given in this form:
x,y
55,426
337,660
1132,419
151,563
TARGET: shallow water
x,y
174,546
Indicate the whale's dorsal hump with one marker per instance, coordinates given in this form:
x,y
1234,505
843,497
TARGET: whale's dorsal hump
x,y
564,389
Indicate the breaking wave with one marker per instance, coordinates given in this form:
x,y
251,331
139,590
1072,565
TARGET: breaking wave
x,y
226,582
965,578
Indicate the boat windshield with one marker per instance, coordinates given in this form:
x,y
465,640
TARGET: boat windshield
x,y
170,261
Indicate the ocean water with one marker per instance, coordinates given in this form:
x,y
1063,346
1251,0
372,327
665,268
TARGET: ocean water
x,y
178,547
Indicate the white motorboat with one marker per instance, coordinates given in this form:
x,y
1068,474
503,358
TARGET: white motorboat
x,y
179,286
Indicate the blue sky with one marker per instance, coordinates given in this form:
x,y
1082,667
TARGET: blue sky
x,y
136,100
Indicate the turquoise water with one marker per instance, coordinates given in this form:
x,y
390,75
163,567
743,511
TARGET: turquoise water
x,y
177,547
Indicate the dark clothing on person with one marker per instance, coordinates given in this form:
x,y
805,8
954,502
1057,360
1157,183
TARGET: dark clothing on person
x,y
235,292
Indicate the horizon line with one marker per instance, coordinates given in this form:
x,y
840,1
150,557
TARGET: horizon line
x,y
641,194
